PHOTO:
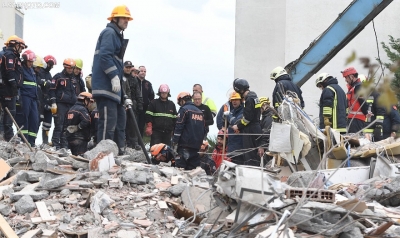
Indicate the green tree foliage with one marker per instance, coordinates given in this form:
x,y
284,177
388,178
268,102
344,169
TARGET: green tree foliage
x,y
392,49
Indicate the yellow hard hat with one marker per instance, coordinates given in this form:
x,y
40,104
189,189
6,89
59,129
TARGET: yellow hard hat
x,y
120,11
264,100
14,39
79,63
39,62
277,72
235,95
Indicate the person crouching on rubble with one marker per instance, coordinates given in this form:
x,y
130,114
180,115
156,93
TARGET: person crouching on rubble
x,y
218,154
78,124
162,153
206,162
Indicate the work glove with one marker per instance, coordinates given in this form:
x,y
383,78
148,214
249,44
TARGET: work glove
x,y
72,129
327,122
226,114
127,102
54,108
378,132
116,84
14,89
47,107
91,144
41,117
149,129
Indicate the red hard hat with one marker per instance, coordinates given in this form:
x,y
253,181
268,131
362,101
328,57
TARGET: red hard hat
x,y
29,55
49,58
349,71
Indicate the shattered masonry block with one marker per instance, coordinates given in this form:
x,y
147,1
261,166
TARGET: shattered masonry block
x,y
313,194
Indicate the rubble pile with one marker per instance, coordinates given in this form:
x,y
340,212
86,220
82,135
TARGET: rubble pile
x,y
49,193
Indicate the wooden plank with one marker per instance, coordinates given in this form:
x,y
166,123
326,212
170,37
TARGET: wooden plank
x,y
6,229
44,213
49,234
8,181
37,220
32,233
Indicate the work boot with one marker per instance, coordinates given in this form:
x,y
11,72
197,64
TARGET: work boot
x,y
138,147
45,137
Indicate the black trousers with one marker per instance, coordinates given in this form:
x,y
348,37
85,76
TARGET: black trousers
x,y
59,140
250,141
8,102
160,137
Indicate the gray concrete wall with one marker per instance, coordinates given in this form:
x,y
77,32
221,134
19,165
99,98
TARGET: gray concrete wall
x,y
7,22
284,29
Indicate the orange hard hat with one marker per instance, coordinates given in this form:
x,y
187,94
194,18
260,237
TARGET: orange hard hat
x,y
183,95
157,148
69,62
14,39
84,95
120,11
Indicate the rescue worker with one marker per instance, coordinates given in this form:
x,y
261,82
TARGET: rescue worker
x,y
133,92
189,132
38,65
161,117
94,122
162,153
391,123
268,114
62,96
235,142
206,162
11,71
78,124
283,85
108,71
78,81
250,123
208,116
28,99
218,154
45,82
357,107
332,103
147,94
375,111
206,100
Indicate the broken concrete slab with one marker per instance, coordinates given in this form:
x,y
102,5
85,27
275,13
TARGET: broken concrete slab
x,y
177,189
82,184
104,146
5,209
42,162
30,190
136,177
25,205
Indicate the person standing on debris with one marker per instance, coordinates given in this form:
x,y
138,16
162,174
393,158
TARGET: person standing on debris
x,y
189,133
133,92
267,117
391,123
283,85
38,65
161,117
250,123
162,153
235,142
45,99
206,100
28,99
357,107
206,162
375,111
62,96
94,123
147,94
208,117
107,73
332,103
78,124
218,153
11,72
80,85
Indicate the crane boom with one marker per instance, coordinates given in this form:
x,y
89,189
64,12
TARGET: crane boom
x,y
348,24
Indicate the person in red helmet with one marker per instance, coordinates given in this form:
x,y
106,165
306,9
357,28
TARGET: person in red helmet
x,y
63,96
161,117
218,153
357,107
27,111
44,84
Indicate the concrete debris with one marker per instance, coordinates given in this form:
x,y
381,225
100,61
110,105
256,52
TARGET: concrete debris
x,y
50,193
